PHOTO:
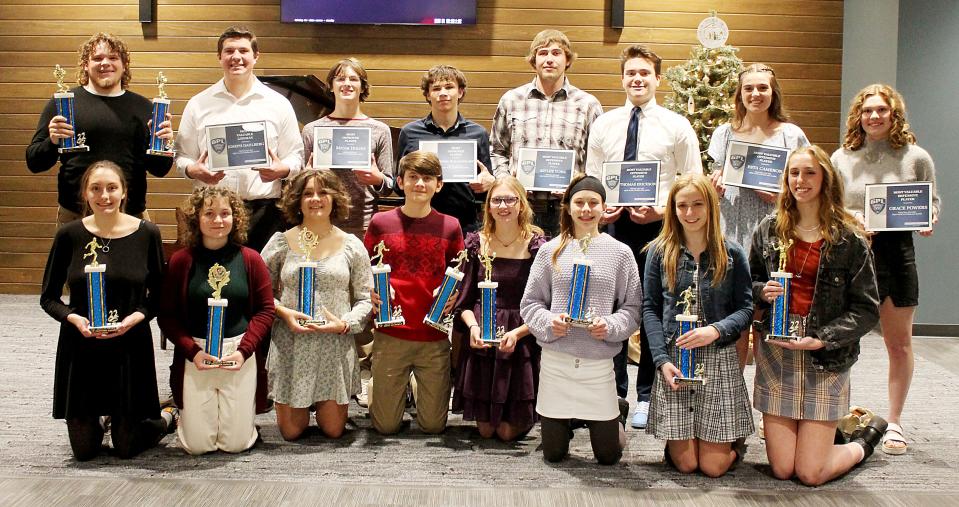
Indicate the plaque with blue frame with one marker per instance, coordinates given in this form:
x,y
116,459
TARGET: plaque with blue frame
x,y
545,169
340,147
632,183
899,206
755,166
458,159
237,146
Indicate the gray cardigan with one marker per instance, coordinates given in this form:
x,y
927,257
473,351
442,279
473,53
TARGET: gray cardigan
x,y
614,293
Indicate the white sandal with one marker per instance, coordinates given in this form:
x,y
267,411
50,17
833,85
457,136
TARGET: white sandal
x,y
894,441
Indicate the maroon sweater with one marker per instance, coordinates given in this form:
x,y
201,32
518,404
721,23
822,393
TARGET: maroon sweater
x,y
259,312
419,250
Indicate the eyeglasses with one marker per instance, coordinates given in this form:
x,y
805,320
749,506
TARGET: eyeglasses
x,y
499,201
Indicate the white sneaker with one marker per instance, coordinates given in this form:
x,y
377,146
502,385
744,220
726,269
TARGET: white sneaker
x,y
366,381
641,416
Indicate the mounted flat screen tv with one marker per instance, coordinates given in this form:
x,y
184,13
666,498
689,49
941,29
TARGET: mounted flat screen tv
x,y
379,12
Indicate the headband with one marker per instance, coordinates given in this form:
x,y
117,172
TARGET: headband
x,y
590,183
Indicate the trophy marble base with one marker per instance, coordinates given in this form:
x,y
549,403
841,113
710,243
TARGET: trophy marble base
x,y
439,326
219,364
162,153
684,381
781,338
319,322
583,323
396,321
104,329
74,149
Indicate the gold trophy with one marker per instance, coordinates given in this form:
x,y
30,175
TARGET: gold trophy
x,y
690,369
161,106
305,296
451,280
577,313
388,315
64,101
217,277
102,321
489,331
781,329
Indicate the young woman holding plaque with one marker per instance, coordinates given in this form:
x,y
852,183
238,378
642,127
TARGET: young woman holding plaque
x,y
496,385
705,424
348,82
314,364
802,384
107,373
215,392
577,384
760,117
879,147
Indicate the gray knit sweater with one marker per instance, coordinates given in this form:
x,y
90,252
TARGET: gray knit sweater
x,y
878,162
614,293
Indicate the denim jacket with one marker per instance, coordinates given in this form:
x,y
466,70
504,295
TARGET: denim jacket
x,y
728,307
845,303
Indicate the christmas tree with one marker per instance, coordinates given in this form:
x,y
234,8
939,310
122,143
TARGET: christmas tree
x,y
703,89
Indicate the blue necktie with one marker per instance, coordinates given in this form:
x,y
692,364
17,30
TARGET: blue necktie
x,y
632,135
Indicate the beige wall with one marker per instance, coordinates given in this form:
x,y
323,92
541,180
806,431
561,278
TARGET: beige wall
x,y
801,39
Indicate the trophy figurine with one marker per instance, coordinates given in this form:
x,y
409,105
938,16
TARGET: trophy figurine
x,y
691,371
63,99
101,320
388,315
217,278
780,328
161,106
447,289
305,296
489,332
577,314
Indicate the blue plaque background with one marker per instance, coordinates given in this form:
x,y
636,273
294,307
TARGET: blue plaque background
x,y
764,168
907,206
638,183
351,147
245,147
458,160
553,170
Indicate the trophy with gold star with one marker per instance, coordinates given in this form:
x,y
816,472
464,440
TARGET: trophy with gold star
x,y
102,321
64,100
388,315
161,106
780,327
577,312
489,332
217,277
451,281
689,368
306,292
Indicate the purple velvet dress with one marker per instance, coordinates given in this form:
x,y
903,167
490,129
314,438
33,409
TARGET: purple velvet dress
x,y
493,386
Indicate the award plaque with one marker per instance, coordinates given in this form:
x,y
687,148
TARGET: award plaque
x,y
489,331
756,166
161,106
549,170
101,320
336,147
388,315
451,281
899,206
237,146
63,99
457,158
691,371
217,278
632,183
577,313
779,327
306,295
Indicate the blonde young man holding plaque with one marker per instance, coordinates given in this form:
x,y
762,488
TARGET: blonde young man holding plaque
x,y
641,130
241,97
115,123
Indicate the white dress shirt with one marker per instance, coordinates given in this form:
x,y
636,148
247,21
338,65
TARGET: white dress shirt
x,y
663,135
216,105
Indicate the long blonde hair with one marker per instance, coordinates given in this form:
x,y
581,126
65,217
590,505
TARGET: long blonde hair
x,y
900,134
670,239
524,216
833,217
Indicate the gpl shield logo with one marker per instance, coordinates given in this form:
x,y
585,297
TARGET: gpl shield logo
x,y
737,161
612,180
324,145
218,144
877,204
527,166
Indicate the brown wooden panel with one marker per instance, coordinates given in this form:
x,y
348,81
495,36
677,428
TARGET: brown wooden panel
x,y
21,275
19,288
26,245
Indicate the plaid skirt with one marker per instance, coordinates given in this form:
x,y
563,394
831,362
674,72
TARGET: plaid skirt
x,y
717,411
789,385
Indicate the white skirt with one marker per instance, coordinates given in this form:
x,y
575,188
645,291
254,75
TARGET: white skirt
x,y
576,388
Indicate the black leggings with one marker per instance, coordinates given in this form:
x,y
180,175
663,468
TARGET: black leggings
x,y
129,437
603,436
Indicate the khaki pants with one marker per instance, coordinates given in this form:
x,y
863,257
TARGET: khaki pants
x,y
393,361
218,406
65,216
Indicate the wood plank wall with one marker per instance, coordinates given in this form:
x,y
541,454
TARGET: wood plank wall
x,y
801,39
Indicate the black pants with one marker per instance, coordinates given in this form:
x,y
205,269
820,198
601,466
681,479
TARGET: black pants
x,y
546,209
130,437
603,437
636,237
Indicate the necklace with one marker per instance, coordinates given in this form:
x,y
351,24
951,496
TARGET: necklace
x,y
811,229
506,245
106,246
803,267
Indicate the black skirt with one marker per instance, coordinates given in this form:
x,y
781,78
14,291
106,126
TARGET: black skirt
x,y
896,272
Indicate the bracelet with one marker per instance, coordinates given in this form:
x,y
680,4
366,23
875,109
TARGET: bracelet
x,y
474,325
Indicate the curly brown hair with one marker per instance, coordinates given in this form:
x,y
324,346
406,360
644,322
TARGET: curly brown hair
x,y
900,134
116,44
200,198
325,182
